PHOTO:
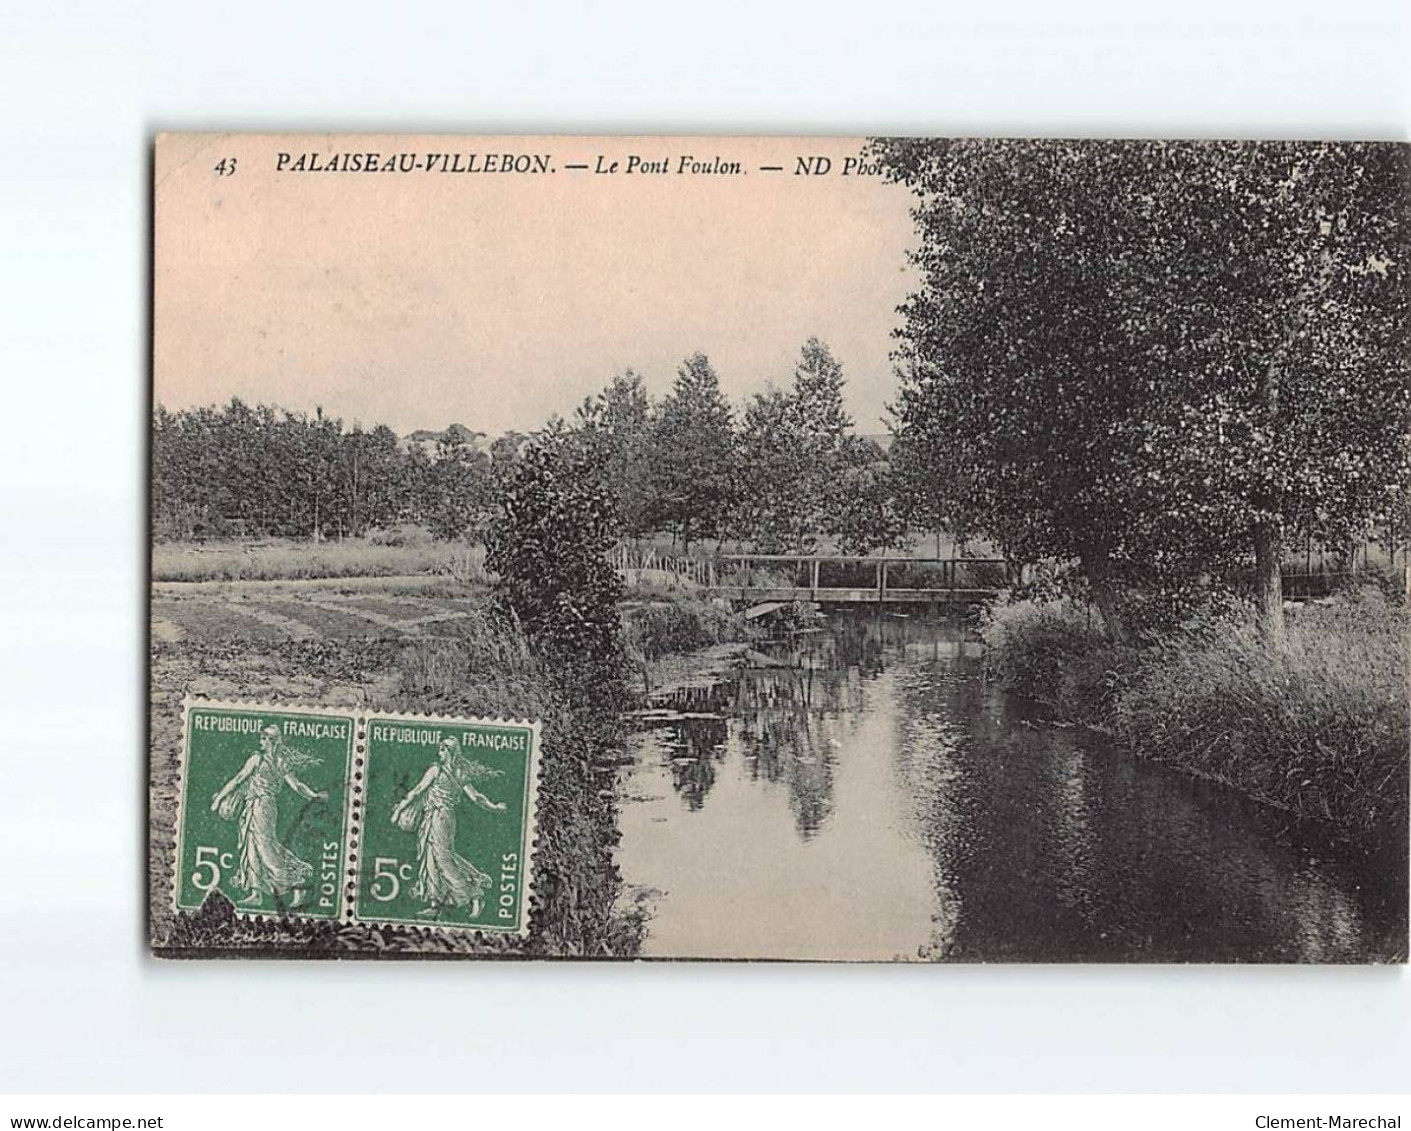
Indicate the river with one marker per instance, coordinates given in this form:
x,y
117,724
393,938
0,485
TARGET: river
x,y
878,800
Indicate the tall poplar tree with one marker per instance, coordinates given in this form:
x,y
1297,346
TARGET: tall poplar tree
x,y
694,454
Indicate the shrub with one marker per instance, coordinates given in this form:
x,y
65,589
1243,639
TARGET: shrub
x,y
1319,727
658,628
466,563
403,534
1055,652
1162,605
1389,582
793,618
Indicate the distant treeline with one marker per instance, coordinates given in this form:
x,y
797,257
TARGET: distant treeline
x,y
243,471
779,474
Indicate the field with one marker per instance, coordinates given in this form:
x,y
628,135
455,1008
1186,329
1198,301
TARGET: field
x,y
299,610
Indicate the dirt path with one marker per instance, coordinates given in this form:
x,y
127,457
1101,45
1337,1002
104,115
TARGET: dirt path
x,y
295,629
167,631
382,620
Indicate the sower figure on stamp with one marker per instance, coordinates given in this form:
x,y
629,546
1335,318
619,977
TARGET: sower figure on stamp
x,y
444,877
266,865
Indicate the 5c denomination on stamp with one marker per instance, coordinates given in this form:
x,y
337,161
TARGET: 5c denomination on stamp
x,y
263,811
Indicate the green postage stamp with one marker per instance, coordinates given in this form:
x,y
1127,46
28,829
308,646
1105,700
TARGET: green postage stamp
x,y
358,817
448,822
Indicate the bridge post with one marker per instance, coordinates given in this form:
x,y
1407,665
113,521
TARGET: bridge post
x,y
815,580
881,581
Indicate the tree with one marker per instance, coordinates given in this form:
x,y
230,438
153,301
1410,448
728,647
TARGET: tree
x,y
621,418
867,516
504,450
260,471
310,457
927,479
369,472
1015,379
459,487
1295,408
1130,354
694,453
794,448
773,506
184,478
823,425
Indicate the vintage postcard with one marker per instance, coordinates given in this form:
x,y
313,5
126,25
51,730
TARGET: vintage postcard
x,y
836,549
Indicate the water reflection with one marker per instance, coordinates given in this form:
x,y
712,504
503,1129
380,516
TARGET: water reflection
x,y
692,752
875,799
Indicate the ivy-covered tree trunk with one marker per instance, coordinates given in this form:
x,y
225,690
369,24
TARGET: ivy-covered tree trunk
x,y
1269,582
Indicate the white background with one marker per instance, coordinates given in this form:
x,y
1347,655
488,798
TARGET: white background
x,y
709,1112
83,87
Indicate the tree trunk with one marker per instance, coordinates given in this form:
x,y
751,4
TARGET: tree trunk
x,y
1105,598
1268,531
1268,582
1098,572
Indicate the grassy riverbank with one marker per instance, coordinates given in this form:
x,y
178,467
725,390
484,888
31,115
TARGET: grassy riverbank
x,y
489,668
1318,728
662,630
660,627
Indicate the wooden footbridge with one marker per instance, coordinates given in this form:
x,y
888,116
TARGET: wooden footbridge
x,y
838,580
841,580
824,578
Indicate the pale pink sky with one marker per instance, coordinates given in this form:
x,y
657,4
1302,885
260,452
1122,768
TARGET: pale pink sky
x,y
417,299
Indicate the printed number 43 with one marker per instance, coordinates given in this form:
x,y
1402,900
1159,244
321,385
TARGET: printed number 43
x,y
225,167
209,862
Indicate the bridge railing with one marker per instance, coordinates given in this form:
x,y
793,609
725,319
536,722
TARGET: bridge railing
x,y
638,564
831,573
843,572
948,573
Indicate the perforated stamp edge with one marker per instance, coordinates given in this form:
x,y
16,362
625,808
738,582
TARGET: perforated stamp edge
x,y
531,826
196,702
